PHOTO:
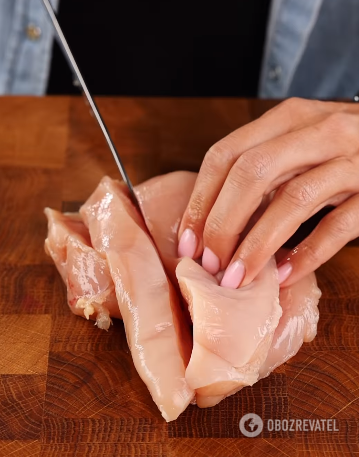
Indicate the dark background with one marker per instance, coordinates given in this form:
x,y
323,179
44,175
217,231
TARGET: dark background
x,y
161,47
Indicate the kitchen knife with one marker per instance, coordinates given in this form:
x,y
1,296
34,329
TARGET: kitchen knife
x,y
70,58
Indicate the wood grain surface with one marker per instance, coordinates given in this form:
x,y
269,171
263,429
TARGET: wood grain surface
x,y
69,389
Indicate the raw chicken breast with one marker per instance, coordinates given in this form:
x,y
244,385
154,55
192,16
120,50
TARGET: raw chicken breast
x,y
163,200
232,330
158,337
78,262
60,227
298,323
90,289
240,335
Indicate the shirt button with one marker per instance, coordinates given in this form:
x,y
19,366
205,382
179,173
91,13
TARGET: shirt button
x,y
33,32
275,73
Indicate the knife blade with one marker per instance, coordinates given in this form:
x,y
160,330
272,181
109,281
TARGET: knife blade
x,y
72,62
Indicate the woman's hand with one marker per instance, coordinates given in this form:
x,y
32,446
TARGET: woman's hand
x,y
308,153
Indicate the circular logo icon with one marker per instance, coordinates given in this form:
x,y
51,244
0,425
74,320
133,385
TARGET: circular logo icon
x,y
251,425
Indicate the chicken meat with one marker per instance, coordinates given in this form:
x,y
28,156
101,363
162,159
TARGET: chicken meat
x,y
232,329
116,263
157,334
90,289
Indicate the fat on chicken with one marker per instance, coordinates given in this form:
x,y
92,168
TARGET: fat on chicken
x,y
157,333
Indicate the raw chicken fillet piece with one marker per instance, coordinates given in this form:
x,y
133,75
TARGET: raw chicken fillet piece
x,y
232,329
163,201
157,334
90,289
297,325
241,336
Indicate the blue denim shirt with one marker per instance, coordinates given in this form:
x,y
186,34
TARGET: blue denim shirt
x,y
311,50
26,37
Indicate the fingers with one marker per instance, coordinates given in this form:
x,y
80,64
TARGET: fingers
x,y
293,204
333,232
288,116
260,170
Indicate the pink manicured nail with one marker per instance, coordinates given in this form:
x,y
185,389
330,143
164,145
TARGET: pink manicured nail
x,y
234,275
210,261
284,271
188,244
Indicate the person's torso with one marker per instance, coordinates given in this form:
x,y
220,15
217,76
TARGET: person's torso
x,y
163,48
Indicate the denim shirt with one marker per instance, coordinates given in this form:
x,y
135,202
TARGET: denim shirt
x,y
26,37
311,50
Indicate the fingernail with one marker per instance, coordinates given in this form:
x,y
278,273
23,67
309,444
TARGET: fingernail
x,y
234,275
188,244
284,271
210,261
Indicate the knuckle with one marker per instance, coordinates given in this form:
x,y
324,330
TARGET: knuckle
x,y
213,227
337,120
218,157
343,124
302,194
292,109
341,223
298,111
294,103
284,105
254,246
194,212
313,255
253,165
291,102
255,243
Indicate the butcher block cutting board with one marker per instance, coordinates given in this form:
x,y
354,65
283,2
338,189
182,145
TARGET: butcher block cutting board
x,y
69,389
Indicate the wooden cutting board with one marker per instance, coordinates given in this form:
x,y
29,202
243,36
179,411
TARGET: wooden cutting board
x,y
69,389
